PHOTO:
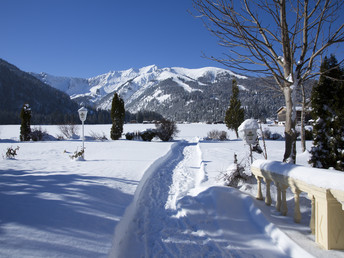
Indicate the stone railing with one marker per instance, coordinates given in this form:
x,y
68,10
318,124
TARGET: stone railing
x,y
325,189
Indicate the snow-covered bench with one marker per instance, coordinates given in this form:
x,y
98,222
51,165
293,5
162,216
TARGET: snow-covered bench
x,y
324,187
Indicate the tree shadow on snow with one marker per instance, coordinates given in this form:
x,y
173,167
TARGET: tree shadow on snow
x,y
69,205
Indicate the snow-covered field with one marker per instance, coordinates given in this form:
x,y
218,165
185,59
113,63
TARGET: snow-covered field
x,y
140,199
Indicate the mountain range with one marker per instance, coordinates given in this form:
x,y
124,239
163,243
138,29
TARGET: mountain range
x,y
180,94
177,93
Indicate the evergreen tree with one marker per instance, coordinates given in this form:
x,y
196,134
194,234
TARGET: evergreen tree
x,y
117,117
328,112
25,116
235,114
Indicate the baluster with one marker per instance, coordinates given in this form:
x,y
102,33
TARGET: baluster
x,y
312,221
259,192
284,208
297,213
278,199
268,196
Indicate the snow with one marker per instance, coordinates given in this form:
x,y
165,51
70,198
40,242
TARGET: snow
x,y
248,124
130,83
141,199
195,74
324,178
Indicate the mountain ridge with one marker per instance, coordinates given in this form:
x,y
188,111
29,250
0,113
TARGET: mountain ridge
x,y
181,94
18,88
135,86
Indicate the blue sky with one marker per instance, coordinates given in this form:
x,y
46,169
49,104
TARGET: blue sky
x,y
85,38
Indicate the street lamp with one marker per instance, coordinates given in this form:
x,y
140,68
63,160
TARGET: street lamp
x,y
82,115
248,132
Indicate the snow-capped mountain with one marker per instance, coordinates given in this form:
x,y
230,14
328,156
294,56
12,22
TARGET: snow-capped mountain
x,y
179,93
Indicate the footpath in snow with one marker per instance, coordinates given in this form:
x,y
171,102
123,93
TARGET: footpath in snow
x,y
174,215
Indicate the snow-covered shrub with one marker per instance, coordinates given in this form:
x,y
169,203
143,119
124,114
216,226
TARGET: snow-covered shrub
x,y
217,135
133,135
166,130
266,133
276,136
69,131
129,136
37,134
60,137
148,135
78,155
98,136
235,174
11,153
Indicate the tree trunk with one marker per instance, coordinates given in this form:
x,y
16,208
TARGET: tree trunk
x,y
290,135
303,133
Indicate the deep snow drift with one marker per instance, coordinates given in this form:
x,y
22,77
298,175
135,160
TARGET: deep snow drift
x,y
160,199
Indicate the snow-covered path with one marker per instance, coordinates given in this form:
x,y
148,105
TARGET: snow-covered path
x,y
174,216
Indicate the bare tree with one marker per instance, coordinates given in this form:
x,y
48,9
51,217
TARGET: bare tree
x,y
278,38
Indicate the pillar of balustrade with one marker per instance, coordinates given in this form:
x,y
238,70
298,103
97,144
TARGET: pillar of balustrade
x,y
259,190
267,195
312,221
278,198
284,208
297,213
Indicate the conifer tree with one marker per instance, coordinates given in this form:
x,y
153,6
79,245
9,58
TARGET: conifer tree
x,y
328,112
117,117
25,116
235,114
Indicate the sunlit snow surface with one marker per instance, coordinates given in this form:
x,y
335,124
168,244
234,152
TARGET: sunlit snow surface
x,y
139,199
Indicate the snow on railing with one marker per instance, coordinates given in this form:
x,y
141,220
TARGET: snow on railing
x,y
325,188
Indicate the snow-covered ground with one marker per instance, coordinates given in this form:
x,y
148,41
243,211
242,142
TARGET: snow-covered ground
x,y
141,199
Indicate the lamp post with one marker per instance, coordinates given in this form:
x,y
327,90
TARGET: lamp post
x,y
82,115
248,132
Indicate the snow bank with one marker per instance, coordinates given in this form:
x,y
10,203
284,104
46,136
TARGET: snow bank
x,y
124,228
278,237
324,178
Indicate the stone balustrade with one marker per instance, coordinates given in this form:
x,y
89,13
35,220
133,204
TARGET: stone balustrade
x,y
325,189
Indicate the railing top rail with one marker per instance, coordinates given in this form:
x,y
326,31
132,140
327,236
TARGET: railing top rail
x,y
322,178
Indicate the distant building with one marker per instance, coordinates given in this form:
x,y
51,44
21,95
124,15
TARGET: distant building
x,y
281,115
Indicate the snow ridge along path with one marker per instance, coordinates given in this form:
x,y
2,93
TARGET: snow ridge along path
x,y
172,215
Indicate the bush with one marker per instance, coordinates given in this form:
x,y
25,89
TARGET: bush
x,y
276,136
11,153
68,131
98,136
235,174
148,135
166,130
217,135
78,155
37,134
129,136
267,133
